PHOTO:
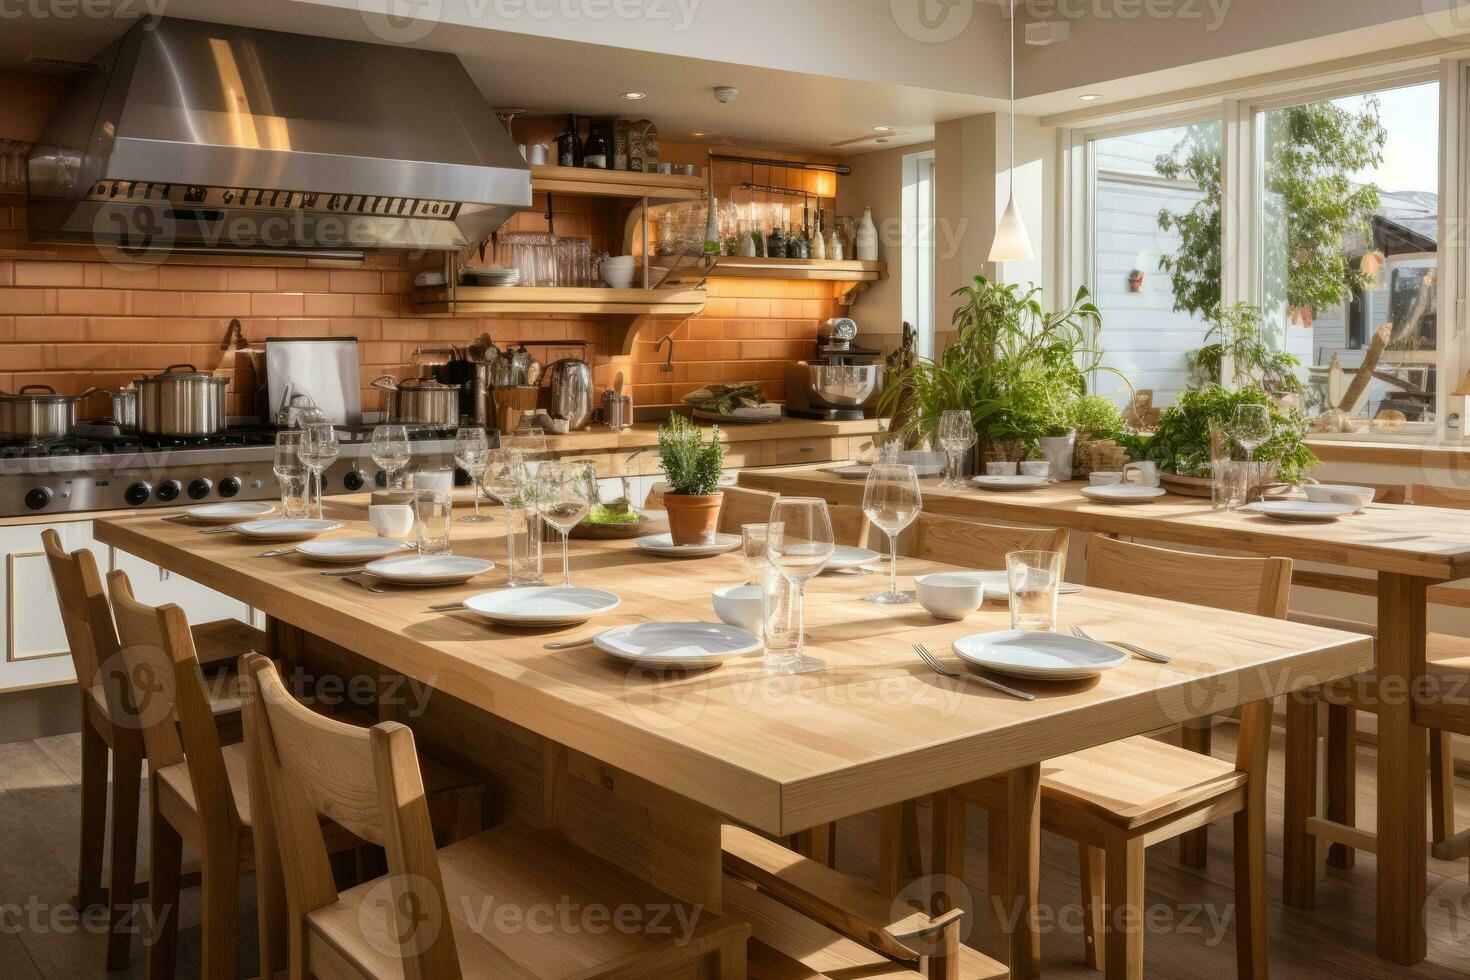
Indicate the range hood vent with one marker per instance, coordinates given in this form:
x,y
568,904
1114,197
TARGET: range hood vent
x,y
198,136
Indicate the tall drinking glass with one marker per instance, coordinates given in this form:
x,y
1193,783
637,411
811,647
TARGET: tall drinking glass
x,y
435,512
956,434
472,453
291,473
799,543
1034,579
1251,427
563,499
531,443
508,481
392,451
319,449
892,501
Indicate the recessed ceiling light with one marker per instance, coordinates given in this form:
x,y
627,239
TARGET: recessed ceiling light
x,y
696,134
1090,97
882,129
635,96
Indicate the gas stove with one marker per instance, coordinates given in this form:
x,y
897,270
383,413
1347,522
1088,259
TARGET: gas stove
x,y
103,468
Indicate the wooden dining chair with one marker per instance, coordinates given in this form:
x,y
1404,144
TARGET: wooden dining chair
x,y
1430,495
742,506
433,915
92,637
198,786
971,544
1117,799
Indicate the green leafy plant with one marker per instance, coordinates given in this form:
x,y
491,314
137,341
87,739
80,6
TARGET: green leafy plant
x,y
691,465
1236,332
1098,416
603,514
1180,443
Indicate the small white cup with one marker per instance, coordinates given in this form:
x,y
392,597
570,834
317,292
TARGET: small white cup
x,y
1336,493
392,520
536,154
1000,469
1148,473
739,606
1036,467
951,595
1106,478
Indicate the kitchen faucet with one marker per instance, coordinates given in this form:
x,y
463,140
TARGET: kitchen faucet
x,y
667,367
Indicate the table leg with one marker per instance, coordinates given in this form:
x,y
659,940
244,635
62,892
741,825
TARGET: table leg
x,y
1023,869
1299,847
1402,763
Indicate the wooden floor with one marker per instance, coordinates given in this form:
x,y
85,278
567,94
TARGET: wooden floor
x,y
1191,915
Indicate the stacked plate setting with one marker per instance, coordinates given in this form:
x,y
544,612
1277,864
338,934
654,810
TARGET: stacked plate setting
x,y
1039,655
489,275
428,569
230,513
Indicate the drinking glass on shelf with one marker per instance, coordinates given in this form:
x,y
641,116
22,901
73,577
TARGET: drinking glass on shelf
x,y
563,499
472,452
392,451
799,543
1034,579
319,449
956,434
291,473
435,512
1251,427
892,501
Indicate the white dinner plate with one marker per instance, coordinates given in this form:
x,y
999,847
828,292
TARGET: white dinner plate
x,y
854,471
429,569
350,550
1123,493
663,544
230,513
1010,482
846,556
282,529
998,587
1301,511
551,605
1038,655
677,645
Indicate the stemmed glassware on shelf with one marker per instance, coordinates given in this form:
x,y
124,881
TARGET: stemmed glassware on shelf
x,y
564,493
319,449
892,501
471,453
392,451
1251,427
956,435
290,473
798,544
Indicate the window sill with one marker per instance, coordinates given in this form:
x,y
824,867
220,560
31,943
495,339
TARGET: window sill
x,y
1407,449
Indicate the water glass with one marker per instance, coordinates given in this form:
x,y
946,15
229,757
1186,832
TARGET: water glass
x,y
753,543
956,435
291,474
778,622
1227,484
434,510
1034,579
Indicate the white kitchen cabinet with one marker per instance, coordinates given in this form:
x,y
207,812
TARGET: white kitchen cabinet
x,y
33,647
157,587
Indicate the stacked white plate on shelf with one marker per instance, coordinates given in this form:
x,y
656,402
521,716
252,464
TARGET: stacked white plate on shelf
x,y
429,569
229,513
489,275
1039,655
677,646
348,551
551,605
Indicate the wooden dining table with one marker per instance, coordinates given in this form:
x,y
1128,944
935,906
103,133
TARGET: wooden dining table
x,y
1409,548
644,767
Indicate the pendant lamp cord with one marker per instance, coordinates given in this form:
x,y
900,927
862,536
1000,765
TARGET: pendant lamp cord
x,y
1013,98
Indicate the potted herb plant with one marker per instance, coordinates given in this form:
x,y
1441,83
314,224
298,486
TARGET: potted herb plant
x,y
692,468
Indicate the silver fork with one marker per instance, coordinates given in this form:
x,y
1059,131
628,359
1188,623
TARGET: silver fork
x,y
277,552
342,572
363,583
1158,658
569,644
217,530
939,668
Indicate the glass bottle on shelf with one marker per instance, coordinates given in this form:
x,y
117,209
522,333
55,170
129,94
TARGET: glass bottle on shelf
x,y
594,152
650,146
569,145
620,144
818,246
796,245
712,227
776,244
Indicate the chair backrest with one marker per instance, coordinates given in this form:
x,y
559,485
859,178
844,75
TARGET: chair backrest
x,y
850,526
165,686
957,541
1429,495
743,505
84,609
1260,586
305,766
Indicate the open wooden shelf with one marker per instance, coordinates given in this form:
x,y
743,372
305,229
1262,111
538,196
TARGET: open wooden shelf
x,y
854,274
613,183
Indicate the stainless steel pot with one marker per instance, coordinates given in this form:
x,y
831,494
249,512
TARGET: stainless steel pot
x,y
125,407
37,412
571,392
182,401
422,401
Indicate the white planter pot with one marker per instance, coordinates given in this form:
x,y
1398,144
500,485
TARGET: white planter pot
x,y
1058,452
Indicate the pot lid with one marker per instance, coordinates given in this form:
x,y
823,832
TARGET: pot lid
x,y
185,372
44,394
425,384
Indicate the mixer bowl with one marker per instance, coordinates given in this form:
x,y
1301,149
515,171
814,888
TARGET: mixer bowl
x,y
843,385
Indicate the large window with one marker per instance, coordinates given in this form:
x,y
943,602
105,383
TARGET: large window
x,y
918,248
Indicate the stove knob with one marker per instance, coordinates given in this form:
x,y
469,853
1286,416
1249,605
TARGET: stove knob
x,y
199,489
353,480
169,490
229,486
380,480
138,494
38,497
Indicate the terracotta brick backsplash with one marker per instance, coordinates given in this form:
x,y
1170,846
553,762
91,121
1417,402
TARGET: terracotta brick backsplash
x,y
73,316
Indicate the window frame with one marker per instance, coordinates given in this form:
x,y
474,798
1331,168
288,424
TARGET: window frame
x,y
918,258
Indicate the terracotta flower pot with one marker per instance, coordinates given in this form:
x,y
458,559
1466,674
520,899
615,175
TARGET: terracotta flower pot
x,y
692,517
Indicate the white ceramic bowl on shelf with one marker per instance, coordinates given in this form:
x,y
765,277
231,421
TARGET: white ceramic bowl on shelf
x,y
618,271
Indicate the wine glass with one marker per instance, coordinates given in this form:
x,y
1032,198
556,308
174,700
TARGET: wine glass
x,y
393,452
956,434
531,444
508,481
799,543
319,449
1251,427
892,501
291,473
472,452
563,499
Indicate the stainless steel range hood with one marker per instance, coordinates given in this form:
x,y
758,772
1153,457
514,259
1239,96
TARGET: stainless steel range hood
x,y
197,136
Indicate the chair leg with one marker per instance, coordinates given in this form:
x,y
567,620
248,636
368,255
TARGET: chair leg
x,y
94,817
127,772
1194,846
947,859
1442,785
1299,846
732,960
166,851
1250,843
1342,778
1125,897
219,901
913,853
997,873
1092,867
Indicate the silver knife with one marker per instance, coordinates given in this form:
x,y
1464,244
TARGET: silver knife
x,y
1158,658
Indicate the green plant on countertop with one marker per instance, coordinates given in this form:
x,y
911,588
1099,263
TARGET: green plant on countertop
x,y
1180,443
603,514
691,465
1098,417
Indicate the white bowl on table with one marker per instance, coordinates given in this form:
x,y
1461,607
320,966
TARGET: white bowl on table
x,y
392,520
740,606
1338,493
951,595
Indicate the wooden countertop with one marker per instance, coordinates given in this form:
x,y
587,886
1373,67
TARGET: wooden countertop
x,y
1389,453
782,753
645,434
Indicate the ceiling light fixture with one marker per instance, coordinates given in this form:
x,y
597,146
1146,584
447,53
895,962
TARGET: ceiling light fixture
x,y
635,96
1012,244
882,129
1090,97
696,134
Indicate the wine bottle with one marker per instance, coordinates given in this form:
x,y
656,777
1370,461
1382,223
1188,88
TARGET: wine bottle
x,y
594,154
569,146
